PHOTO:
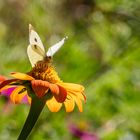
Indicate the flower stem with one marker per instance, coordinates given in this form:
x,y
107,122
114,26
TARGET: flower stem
x,y
37,106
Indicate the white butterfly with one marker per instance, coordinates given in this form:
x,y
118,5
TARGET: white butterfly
x,y
36,50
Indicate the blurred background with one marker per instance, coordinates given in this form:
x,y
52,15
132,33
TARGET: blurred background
x,y
102,53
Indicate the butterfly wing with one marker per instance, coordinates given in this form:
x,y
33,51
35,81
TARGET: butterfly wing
x,y
35,50
52,50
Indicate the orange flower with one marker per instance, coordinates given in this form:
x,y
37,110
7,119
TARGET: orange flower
x,y
41,82
43,79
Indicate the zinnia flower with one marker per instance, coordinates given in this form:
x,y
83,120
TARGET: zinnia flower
x,y
43,81
61,92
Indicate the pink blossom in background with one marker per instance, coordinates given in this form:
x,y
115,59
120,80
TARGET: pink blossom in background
x,y
83,135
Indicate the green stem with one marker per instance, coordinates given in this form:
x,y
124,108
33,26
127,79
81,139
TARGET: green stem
x,y
37,106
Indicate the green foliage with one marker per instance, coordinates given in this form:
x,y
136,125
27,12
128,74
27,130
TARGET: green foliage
x,y
102,53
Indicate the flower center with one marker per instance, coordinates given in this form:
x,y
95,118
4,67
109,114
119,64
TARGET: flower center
x,y
44,71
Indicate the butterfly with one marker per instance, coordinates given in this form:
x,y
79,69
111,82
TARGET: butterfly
x,y
36,51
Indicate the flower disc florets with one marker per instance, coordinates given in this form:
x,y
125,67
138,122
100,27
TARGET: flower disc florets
x,y
45,72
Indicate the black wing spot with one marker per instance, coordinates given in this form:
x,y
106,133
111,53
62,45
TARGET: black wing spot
x,y
35,39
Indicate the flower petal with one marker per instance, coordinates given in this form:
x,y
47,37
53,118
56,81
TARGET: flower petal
x,y
2,78
26,99
6,82
78,101
69,104
61,97
76,92
15,96
7,90
40,87
73,87
79,95
54,89
22,76
53,105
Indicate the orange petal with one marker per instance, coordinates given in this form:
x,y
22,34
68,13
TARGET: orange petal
x,y
53,105
22,76
40,87
6,87
78,102
2,78
15,97
61,97
71,86
54,89
69,104
79,95
6,82
77,90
